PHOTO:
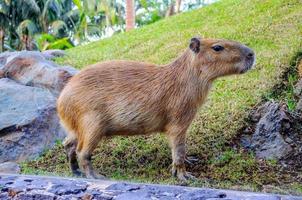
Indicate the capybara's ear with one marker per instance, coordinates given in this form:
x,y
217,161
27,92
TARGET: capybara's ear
x,y
195,44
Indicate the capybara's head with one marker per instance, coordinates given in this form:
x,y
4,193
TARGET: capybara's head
x,y
218,57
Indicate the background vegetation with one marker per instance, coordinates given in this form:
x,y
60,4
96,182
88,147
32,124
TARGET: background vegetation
x,y
272,28
62,24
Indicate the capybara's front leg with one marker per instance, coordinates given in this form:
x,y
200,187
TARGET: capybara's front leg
x,y
177,140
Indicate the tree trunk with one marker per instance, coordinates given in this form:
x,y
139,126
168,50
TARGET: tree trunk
x,y
23,42
1,40
130,15
171,10
177,6
29,44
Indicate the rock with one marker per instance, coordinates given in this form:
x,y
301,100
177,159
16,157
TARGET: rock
x,y
70,187
28,121
8,56
269,140
299,67
298,94
299,106
298,88
10,168
41,187
48,54
2,73
36,195
21,105
34,70
29,86
51,54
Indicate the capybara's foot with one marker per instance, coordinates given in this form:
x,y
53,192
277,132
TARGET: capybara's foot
x,y
78,173
191,160
182,174
185,176
95,176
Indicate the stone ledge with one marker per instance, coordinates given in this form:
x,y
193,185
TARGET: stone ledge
x,y
26,187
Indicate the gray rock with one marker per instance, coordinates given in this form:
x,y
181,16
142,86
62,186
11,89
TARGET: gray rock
x,y
298,89
29,86
269,141
32,69
28,121
299,105
39,187
51,54
66,187
35,195
8,56
206,194
21,105
4,196
48,54
140,191
9,167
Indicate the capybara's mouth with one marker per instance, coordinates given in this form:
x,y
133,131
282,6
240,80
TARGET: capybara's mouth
x,y
249,64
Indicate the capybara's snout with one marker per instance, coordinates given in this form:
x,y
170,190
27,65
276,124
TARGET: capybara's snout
x,y
249,58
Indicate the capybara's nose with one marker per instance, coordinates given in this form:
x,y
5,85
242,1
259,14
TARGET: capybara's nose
x,y
250,55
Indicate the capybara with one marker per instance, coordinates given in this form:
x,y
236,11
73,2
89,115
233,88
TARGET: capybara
x,y
136,98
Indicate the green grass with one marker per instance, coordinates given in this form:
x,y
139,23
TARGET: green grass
x,y
273,28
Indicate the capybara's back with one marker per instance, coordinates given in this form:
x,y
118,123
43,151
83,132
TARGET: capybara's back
x,y
134,98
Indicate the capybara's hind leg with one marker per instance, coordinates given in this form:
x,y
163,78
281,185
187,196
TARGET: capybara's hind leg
x,y
89,140
84,156
70,145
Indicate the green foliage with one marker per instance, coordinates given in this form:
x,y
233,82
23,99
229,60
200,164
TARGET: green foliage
x,y
3,19
23,19
44,40
47,41
290,95
63,43
51,11
59,29
79,20
71,18
27,27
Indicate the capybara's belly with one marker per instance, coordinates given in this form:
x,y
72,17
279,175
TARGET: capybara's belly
x,y
135,118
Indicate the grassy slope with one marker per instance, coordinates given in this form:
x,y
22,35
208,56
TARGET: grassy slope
x,y
272,28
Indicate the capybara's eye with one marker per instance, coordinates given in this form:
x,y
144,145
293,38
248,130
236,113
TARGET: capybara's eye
x,y
217,48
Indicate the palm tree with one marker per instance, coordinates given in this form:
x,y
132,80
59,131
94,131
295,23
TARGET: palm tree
x,y
130,15
22,19
3,24
1,40
97,17
17,15
173,8
26,31
177,6
58,17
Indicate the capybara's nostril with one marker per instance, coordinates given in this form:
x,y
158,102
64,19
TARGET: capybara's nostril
x,y
250,55
247,52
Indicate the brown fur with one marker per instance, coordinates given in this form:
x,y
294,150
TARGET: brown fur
x,y
135,98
